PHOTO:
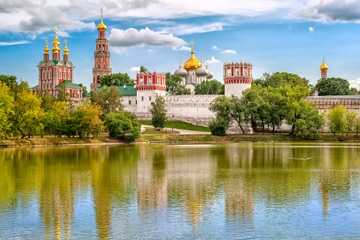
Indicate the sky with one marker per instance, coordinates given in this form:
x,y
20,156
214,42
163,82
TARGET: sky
x,y
274,35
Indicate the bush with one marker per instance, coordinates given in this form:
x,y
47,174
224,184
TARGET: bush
x,y
218,126
123,125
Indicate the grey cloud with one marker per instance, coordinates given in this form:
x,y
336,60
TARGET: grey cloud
x,y
343,11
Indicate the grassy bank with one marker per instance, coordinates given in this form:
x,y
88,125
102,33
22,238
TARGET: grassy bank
x,y
179,125
172,137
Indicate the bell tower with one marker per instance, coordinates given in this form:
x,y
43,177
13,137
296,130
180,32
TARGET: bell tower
x,y
101,55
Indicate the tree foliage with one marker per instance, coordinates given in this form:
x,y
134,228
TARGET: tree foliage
x,y
116,79
28,115
281,79
123,125
6,105
333,86
210,87
229,109
336,119
173,85
219,126
109,99
86,120
158,112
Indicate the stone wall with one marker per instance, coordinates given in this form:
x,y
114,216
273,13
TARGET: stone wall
x,y
324,103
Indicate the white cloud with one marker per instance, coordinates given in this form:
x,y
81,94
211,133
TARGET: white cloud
x,y
182,48
183,29
134,38
229,51
213,60
151,50
135,69
13,43
215,48
42,15
311,29
355,83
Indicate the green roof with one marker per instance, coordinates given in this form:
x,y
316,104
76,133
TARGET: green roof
x,y
68,84
125,91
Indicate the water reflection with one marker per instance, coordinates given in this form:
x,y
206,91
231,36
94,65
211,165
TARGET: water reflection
x,y
210,191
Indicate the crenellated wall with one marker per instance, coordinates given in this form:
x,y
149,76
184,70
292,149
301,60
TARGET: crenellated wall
x,y
324,103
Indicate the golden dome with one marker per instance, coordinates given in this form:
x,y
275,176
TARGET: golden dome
x,y
46,48
323,66
101,26
192,63
56,42
66,50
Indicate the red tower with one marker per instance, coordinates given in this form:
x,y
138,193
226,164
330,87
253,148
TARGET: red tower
x,y
323,69
101,56
237,78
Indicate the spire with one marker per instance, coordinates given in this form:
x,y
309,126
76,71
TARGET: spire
x,y
66,51
323,69
46,48
180,61
101,26
56,42
192,46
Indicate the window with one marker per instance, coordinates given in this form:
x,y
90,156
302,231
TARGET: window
x,y
129,102
149,98
142,98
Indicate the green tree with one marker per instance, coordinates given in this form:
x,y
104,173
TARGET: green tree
x,y
6,105
296,104
143,69
158,112
350,121
210,87
219,126
86,120
173,85
109,99
47,101
10,81
28,115
311,122
336,119
116,79
281,79
84,90
333,86
57,119
123,125
229,109
257,109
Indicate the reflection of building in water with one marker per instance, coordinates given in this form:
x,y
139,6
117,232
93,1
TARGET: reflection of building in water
x,y
335,176
239,197
151,179
57,202
101,182
192,178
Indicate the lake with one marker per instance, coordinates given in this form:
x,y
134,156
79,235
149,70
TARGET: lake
x,y
196,191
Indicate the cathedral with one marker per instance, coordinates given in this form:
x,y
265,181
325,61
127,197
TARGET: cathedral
x,y
57,74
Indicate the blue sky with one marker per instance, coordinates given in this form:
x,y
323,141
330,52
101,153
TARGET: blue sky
x,y
274,35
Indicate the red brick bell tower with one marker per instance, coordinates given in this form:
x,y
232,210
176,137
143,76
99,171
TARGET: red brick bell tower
x,y
101,56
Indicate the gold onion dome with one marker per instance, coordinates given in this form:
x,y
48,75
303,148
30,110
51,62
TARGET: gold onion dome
x,y
192,63
323,66
46,48
56,42
101,26
66,50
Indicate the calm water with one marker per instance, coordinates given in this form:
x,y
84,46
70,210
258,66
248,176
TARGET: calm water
x,y
230,191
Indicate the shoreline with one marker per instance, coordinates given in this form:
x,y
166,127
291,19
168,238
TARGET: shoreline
x,y
170,139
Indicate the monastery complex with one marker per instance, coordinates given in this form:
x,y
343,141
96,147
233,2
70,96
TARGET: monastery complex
x,y
57,74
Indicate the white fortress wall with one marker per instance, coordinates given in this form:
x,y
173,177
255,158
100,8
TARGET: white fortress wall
x,y
324,103
130,103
